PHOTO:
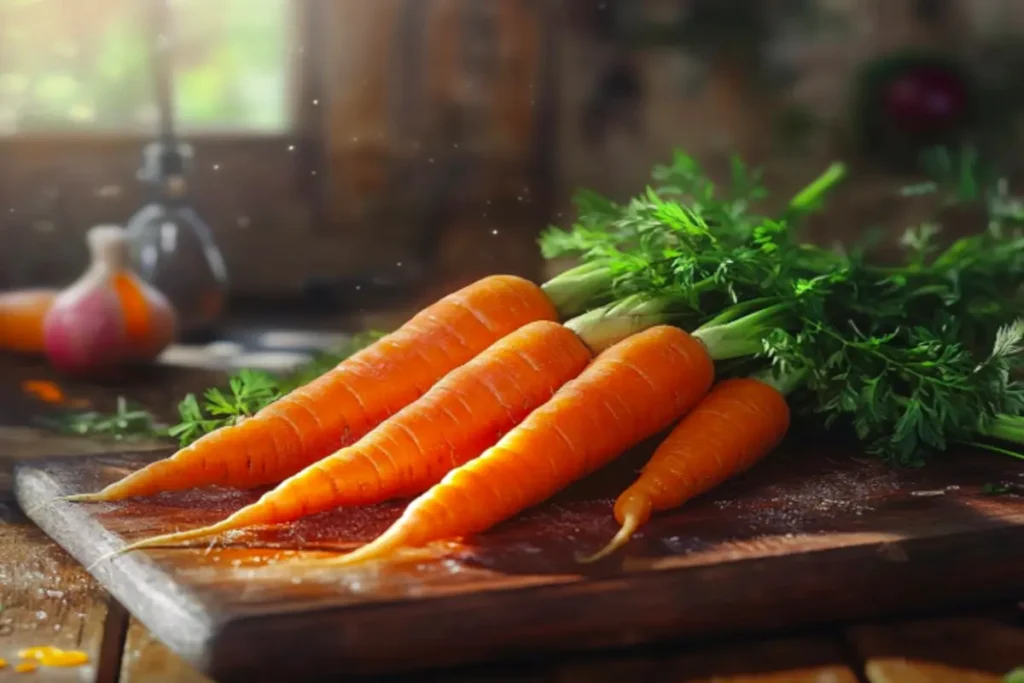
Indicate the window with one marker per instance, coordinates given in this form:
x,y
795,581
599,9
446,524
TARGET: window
x,y
84,65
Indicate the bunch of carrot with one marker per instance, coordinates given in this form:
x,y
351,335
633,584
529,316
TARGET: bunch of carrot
x,y
483,404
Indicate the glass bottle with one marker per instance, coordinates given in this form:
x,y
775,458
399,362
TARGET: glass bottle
x,y
173,248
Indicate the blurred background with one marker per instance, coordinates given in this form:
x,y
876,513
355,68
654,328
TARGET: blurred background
x,y
345,153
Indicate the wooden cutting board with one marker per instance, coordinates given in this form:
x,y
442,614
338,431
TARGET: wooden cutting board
x,y
809,535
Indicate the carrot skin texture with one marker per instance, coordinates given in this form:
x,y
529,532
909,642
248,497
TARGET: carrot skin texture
x,y
460,417
345,403
628,393
735,426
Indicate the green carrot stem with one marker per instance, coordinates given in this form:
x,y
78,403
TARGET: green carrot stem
x,y
735,332
739,310
1006,428
580,288
610,324
994,449
810,197
743,336
783,382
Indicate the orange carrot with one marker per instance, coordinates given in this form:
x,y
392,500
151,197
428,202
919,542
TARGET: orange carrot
x,y
628,393
462,415
21,319
342,405
738,423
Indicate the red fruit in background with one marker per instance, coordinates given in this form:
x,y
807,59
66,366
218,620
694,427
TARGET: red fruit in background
x,y
926,100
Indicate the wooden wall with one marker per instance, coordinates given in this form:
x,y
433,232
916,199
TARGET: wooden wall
x,y
431,136
446,132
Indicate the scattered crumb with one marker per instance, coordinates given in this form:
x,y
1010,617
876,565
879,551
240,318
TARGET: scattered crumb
x,y
802,505
44,390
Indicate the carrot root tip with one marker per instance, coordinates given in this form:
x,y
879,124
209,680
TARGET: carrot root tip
x,y
156,542
620,539
41,506
113,554
165,540
382,547
97,497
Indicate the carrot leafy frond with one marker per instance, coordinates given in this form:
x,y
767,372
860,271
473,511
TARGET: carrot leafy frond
x,y
909,392
914,355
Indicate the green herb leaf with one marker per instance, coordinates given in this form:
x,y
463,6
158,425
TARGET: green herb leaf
x,y
126,422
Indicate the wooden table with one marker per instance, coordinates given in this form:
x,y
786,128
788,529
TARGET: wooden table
x,y
47,599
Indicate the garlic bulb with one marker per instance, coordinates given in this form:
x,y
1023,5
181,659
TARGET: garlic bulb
x,y
109,317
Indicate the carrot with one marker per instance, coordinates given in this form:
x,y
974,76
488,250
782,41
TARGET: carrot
x,y
628,393
21,319
345,403
455,421
738,423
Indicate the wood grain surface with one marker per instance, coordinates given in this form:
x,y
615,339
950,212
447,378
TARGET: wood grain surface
x,y
46,598
811,535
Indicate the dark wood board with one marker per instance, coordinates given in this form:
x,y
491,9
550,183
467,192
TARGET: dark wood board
x,y
810,535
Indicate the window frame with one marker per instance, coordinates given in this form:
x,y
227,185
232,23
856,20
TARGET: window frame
x,y
303,85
